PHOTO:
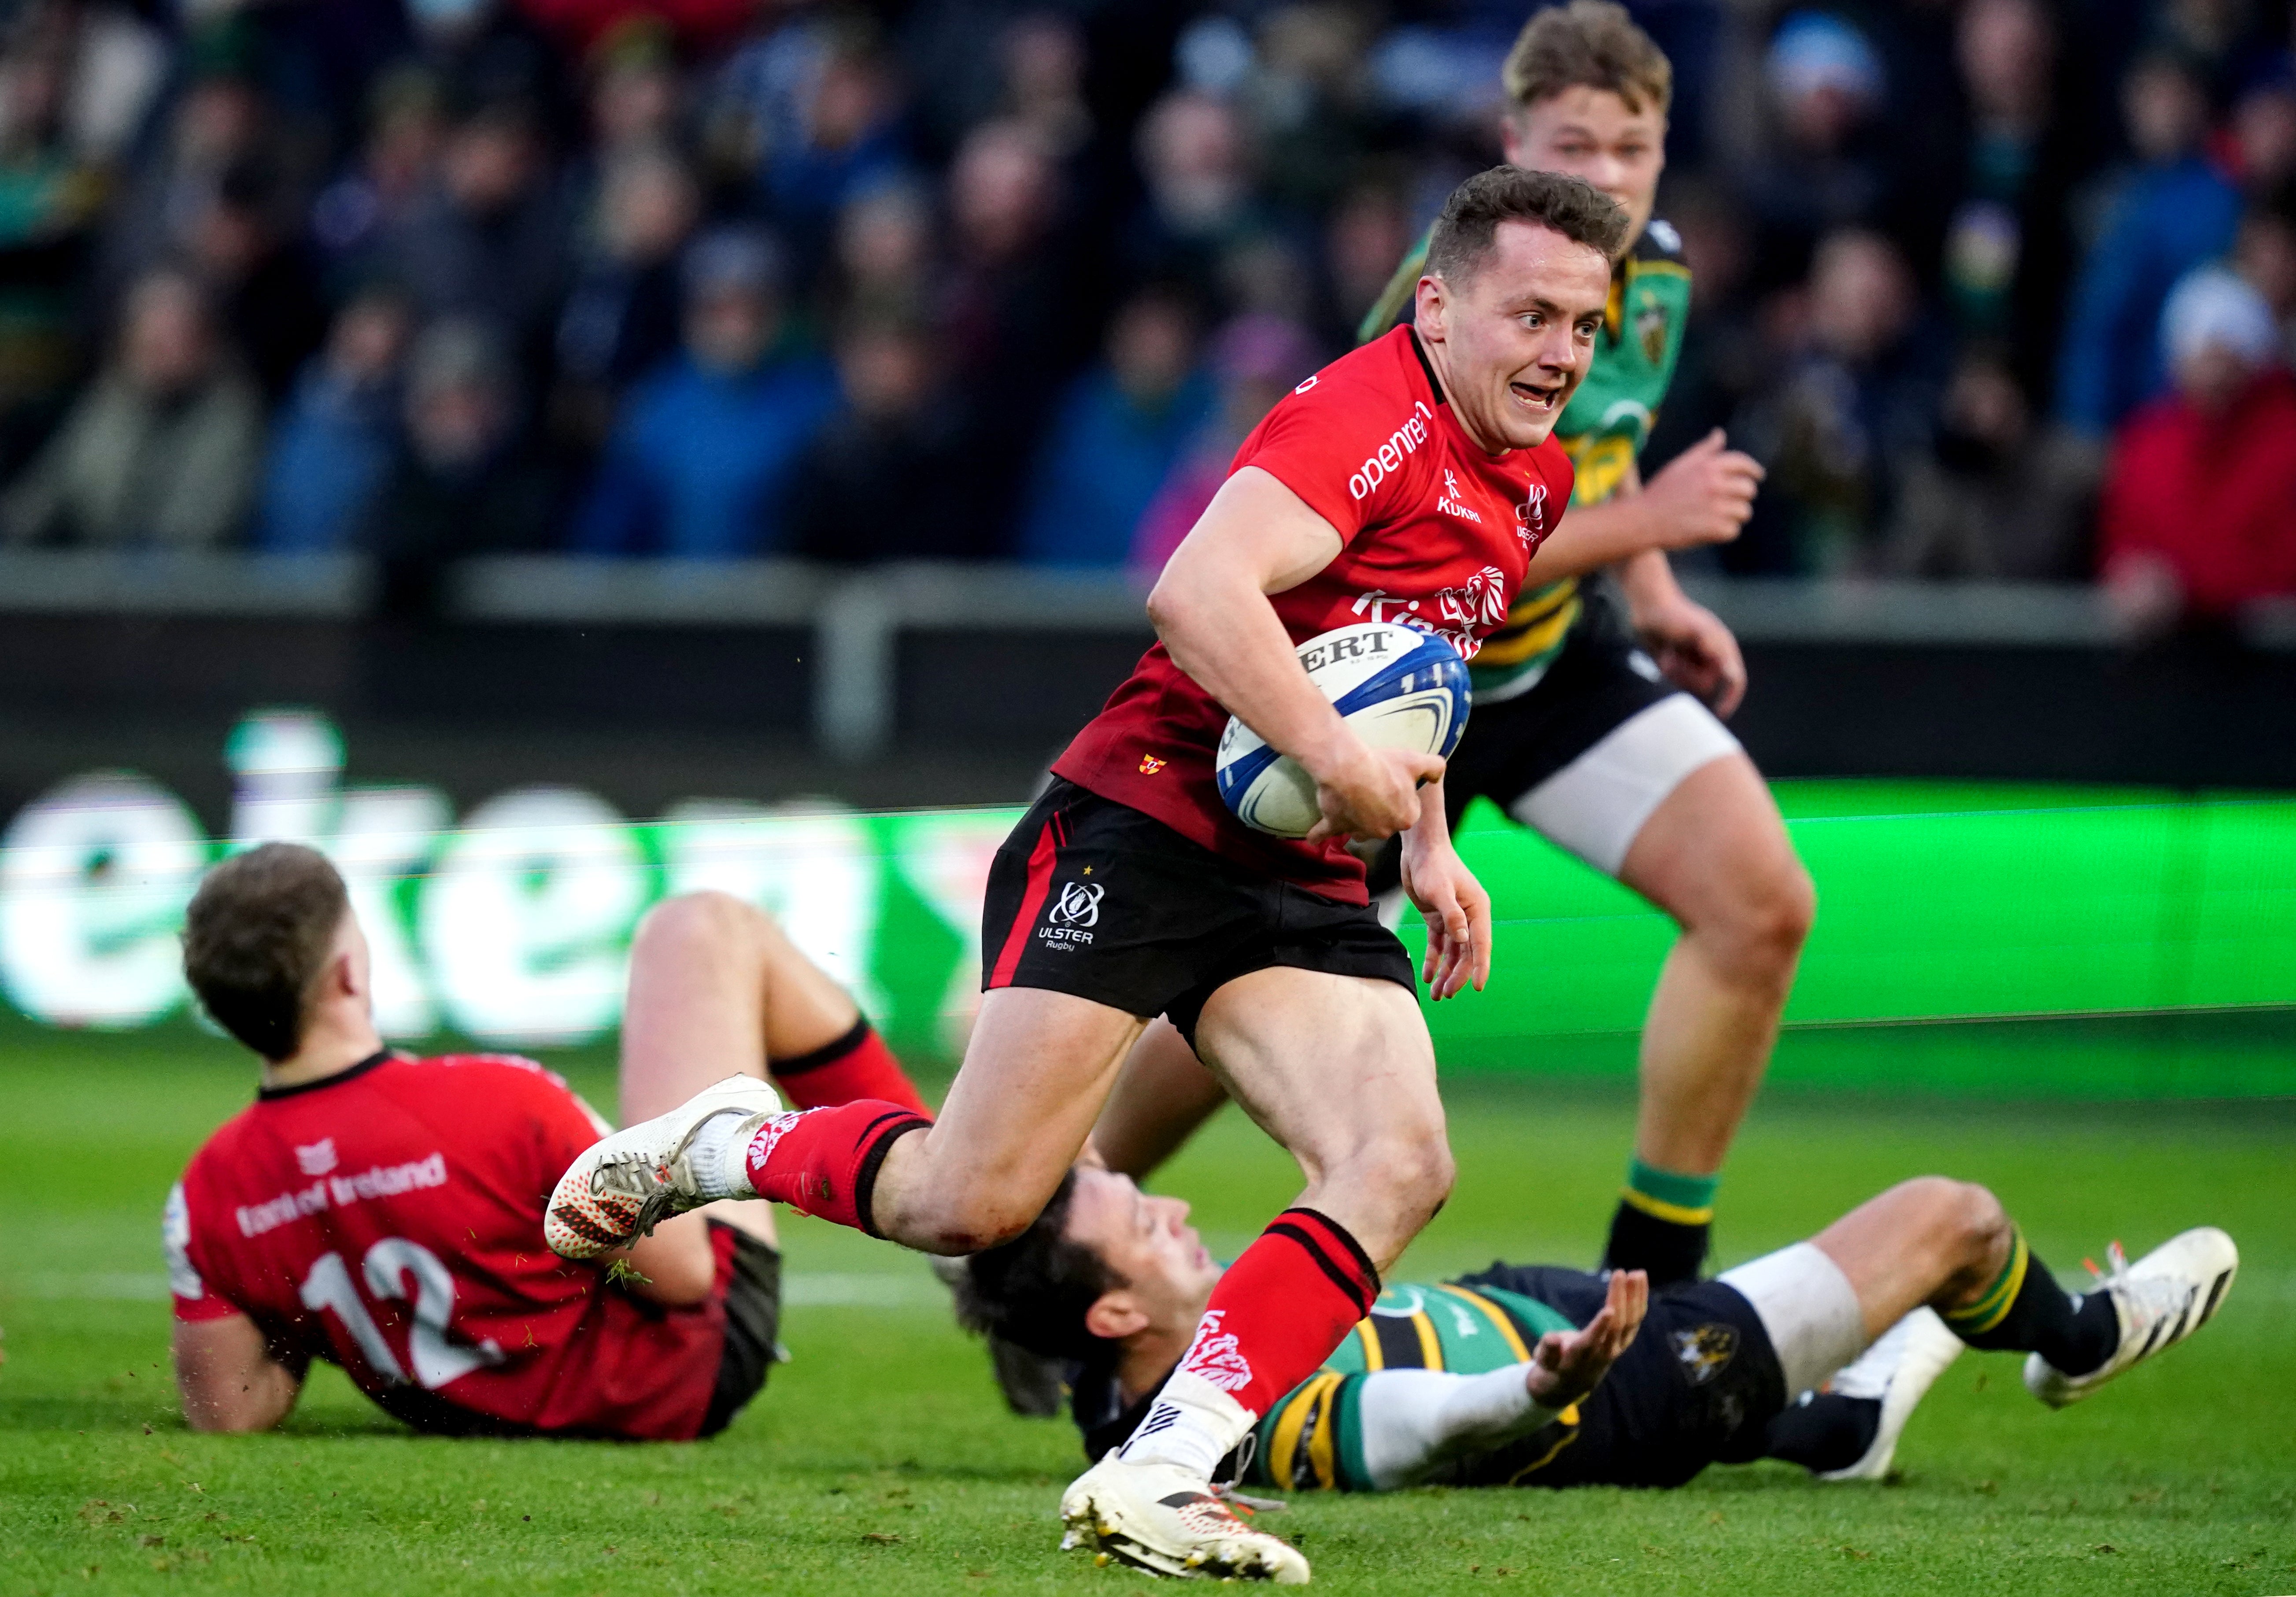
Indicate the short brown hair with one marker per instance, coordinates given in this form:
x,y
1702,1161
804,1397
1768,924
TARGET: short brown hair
x,y
256,939
1036,1289
1571,206
1587,43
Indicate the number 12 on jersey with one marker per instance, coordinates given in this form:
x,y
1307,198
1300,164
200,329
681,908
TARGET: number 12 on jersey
x,y
438,1359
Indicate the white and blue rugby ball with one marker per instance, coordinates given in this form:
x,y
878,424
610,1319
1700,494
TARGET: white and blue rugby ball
x,y
1397,689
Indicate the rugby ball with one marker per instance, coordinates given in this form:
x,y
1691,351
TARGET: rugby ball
x,y
1397,689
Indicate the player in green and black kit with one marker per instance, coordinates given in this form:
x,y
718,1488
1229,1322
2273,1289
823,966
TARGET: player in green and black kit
x,y
1536,1375
1582,729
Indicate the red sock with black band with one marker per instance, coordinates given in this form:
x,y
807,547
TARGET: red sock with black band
x,y
825,1161
1274,1317
856,1065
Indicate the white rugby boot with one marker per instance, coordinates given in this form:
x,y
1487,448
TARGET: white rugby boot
x,y
1899,1369
626,1184
2162,1298
1161,1518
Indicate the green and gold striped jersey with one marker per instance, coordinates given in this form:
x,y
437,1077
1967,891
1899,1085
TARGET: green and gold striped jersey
x,y
1603,428
1313,1438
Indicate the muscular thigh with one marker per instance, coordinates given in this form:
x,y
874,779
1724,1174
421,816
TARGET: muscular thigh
x,y
1331,1066
1036,1070
1716,849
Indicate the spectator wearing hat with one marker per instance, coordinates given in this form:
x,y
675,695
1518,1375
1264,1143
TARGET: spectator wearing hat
x,y
1115,436
700,465
1827,169
162,450
2199,511
1256,359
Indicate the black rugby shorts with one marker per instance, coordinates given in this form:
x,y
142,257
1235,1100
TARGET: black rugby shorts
x,y
749,1276
1600,682
1091,897
1698,1385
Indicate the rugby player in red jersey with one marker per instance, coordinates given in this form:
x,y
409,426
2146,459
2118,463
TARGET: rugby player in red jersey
x,y
385,1214
1409,481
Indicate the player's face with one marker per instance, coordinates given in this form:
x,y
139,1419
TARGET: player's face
x,y
1518,335
1147,1240
1589,133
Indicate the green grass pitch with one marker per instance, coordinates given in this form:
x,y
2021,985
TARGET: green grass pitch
x,y
879,1461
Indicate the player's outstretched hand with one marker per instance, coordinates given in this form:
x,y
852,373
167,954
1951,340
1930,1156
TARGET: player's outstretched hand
x,y
1458,915
1704,495
1567,1365
1371,793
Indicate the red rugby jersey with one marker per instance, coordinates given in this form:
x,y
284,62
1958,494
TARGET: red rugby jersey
x,y
1435,534
389,1220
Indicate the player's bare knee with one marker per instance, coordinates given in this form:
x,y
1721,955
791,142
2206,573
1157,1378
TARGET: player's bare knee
x,y
1406,1173
1979,1226
702,918
968,1223
1961,1225
1772,909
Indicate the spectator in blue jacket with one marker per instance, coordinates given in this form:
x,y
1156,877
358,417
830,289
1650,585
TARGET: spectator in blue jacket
x,y
1122,425
332,444
700,465
2177,212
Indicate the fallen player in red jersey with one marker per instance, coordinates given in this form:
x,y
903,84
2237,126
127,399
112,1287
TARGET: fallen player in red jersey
x,y
385,1212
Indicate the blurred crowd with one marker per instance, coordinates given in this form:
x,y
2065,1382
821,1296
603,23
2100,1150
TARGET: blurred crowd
x,y
1995,288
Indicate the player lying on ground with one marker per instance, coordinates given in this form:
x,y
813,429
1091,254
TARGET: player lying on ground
x,y
385,1214
1534,1375
1591,724
1415,477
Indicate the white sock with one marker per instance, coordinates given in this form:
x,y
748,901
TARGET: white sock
x,y
1192,1424
719,1155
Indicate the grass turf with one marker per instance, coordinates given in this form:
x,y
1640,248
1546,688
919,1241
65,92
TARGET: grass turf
x,y
880,1461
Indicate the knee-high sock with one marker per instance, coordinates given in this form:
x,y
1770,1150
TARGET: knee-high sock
x,y
825,1161
857,1065
1273,1318
2025,1310
1661,1224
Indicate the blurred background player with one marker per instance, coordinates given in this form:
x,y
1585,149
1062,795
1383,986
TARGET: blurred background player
x,y
385,1214
1598,730
1408,477
1538,1375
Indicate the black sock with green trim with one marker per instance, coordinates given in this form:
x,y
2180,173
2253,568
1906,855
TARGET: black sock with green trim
x,y
1663,1225
2025,1311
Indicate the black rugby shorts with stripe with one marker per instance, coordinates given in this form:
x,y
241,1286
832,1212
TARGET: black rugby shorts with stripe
x,y
1091,897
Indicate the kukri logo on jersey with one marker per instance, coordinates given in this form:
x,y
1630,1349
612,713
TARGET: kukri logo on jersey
x,y
1447,501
